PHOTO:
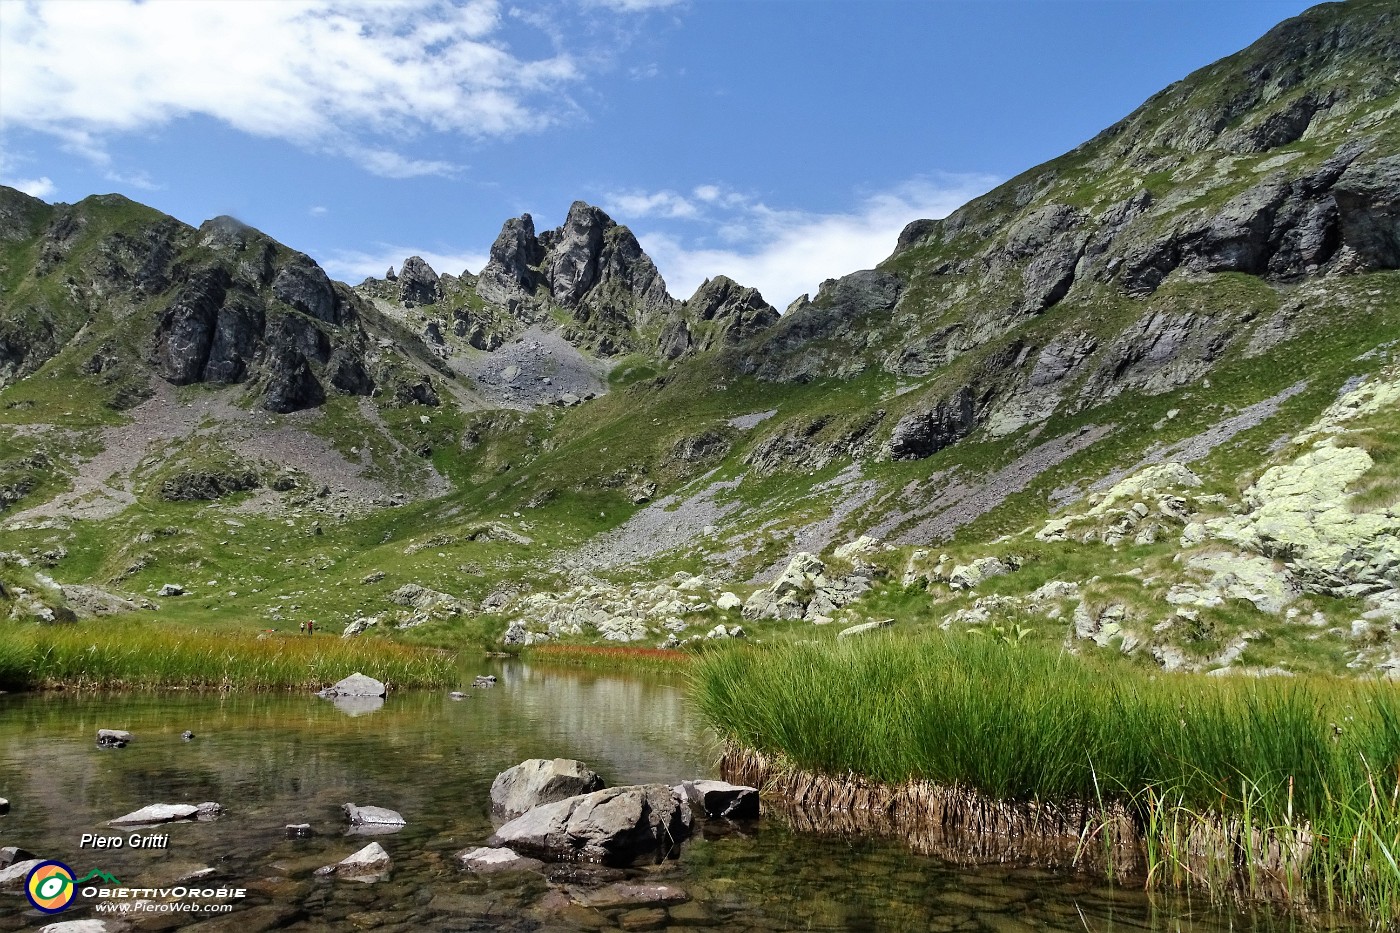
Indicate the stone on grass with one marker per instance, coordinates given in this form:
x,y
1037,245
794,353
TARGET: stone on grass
x,y
864,627
541,780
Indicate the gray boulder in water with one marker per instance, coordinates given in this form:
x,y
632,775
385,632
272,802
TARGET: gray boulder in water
x,y
356,685
539,781
616,826
372,821
721,799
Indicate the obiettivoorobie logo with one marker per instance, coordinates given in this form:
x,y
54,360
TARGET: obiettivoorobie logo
x,y
51,886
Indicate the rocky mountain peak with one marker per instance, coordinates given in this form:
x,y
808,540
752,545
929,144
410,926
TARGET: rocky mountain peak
x,y
418,283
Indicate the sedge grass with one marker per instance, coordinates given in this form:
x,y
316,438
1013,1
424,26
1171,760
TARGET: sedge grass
x,y
132,656
1254,786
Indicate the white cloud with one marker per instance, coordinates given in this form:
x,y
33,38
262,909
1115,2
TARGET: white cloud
x,y
638,204
354,266
634,6
42,187
787,253
355,77
318,210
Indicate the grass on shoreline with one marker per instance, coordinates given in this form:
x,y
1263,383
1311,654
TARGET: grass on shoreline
x,y
139,656
1312,764
603,658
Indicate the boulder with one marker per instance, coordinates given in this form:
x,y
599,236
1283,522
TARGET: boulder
x,y
484,859
728,601
170,589
13,875
9,855
372,821
720,799
112,738
356,685
619,825
168,813
4,806
369,864
541,780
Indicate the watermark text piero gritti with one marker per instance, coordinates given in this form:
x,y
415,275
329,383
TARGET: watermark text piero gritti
x,y
134,841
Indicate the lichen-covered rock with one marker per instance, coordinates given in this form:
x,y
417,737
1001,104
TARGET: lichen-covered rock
x,y
1236,576
1300,513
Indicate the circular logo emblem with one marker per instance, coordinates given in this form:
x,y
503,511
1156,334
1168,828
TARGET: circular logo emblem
x,y
50,886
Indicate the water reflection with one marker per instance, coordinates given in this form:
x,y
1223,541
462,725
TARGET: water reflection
x,y
277,760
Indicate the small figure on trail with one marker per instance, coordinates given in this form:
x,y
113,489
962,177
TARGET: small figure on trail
x,y
302,627
310,628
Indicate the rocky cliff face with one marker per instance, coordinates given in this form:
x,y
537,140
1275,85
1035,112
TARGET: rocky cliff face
x,y
593,270
131,292
1278,164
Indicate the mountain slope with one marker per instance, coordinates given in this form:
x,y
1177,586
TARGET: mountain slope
x,y
1103,375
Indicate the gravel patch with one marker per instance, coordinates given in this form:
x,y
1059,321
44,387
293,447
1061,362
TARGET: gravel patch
x,y
536,368
958,503
664,525
744,422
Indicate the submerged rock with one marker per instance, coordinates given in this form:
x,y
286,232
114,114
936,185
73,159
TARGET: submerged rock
x,y
539,781
372,821
619,825
484,859
368,865
168,813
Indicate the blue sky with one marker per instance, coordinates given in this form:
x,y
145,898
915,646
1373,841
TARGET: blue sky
x,y
780,142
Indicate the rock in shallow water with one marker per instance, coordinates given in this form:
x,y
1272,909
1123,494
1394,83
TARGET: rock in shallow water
x,y
720,799
112,738
370,864
167,813
541,780
371,821
485,859
356,685
615,826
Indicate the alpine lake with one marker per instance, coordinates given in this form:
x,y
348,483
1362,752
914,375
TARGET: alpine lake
x,y
274,759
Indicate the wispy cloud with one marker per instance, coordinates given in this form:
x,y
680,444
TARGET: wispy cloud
x,y
354,266
782,253
42,187
358,78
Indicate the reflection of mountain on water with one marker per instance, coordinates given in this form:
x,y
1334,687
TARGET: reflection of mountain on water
x,y
630,730
275,759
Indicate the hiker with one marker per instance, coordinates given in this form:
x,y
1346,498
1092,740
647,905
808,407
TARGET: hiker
x,y
310,628
302,627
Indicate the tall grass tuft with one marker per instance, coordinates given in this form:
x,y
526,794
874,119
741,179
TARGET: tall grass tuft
x,y
1272,787
155,657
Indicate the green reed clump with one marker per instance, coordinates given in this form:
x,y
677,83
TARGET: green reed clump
x,y
1311,764
155,657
